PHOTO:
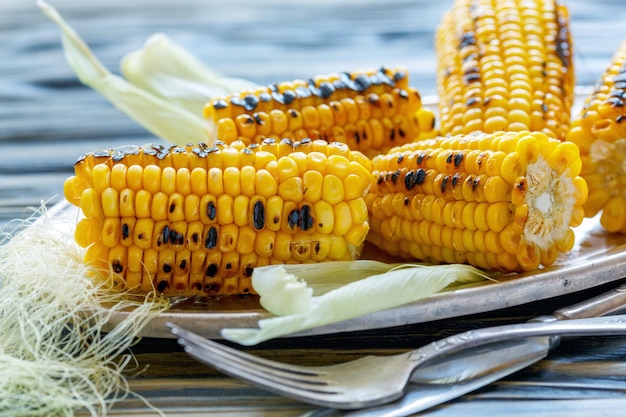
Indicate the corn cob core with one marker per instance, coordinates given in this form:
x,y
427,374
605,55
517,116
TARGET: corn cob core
x,y
505,65
370,110
600,133
197,220
502,201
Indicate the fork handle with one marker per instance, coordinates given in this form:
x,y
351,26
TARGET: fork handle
x,y
594,326
600,305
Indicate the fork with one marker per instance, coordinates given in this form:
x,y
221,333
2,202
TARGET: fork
x,y
373,380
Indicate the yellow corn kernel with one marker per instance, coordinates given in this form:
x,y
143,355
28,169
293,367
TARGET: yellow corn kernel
x,y
134,177
88,231
143,204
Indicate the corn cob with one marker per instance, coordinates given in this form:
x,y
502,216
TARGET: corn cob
x,y
503,201
371,111
600,133
196,219
505,66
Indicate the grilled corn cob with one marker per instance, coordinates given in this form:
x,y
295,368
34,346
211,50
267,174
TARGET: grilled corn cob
x,y
503,201
505,65
371,111
600,133
197,219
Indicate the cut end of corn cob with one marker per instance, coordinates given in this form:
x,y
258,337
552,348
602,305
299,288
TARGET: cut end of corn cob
x,y
502,201
505,66
187,220
600,133
370,110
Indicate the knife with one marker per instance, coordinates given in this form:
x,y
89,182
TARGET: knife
x,y
475,368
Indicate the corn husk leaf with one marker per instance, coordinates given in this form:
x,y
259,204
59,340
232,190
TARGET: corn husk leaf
x,y
378,287
159,115
169,71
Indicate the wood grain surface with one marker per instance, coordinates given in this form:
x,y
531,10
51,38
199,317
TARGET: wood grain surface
x,y
47,119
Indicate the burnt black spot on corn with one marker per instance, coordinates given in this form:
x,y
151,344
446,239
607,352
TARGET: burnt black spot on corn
x,y
220,104
444,183
475,183
125,231
305,220
420,176
395,175
211,238
211,271
293,219
458,158
194,218
177,239
162,286
455,179
164,237
409,180
211,210
514,57
471,101
258,215
368,110
117,267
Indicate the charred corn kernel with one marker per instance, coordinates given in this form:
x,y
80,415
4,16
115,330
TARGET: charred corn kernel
x,y
600,133
529,218
505,66
206,216
142,233
350,107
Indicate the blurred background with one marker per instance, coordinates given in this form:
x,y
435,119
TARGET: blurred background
x,y
47,118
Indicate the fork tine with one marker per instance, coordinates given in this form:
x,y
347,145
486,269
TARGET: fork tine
x,y
235,353
239,364
226,362
261,378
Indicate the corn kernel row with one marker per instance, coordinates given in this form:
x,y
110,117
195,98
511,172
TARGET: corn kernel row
x,y
370,111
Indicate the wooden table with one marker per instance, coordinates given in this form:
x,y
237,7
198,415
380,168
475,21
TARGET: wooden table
x,y
47,118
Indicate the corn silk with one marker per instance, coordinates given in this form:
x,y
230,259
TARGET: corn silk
x,y
55,357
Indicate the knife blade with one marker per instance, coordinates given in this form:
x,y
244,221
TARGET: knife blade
x,y
475,368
